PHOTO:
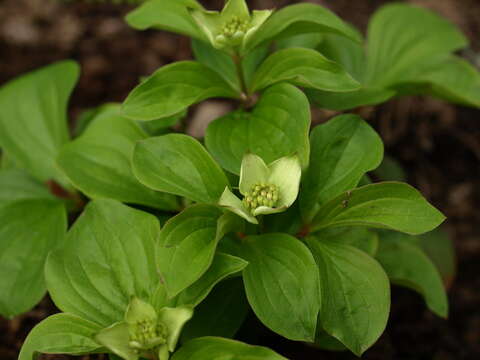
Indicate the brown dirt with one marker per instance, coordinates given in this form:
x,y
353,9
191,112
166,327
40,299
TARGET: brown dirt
x,y
439,145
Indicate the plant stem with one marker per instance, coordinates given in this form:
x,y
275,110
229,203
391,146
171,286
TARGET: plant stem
x,y
237,59
60,192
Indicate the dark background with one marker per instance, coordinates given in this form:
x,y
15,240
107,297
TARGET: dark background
x,y
438,144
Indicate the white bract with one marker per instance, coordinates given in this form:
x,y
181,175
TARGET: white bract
x,y
266,189
233,26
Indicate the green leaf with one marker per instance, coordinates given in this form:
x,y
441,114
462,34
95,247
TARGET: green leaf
x,y
278,126
403,40
327,342
407,265
6,163
300,19
355,294
163,126
351,56
115,338
303,67
213,348
173,88
169,15
223,266
282,278
439,247
108,258
342,151
252,61
33,121
218,61
98,162
61,334
454,80
84,119
187,245
407,45
220,314
358,237
364,96
178,164
309,41
16,184
30,229
390,170
386,205
288,222
347,52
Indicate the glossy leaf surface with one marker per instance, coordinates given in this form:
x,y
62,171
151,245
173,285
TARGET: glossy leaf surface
x,y
98,162
355,294
277,126
388,205
108,257
178,164
282,278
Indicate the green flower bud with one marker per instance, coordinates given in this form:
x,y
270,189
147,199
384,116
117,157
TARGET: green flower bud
x,y
263,196
146,334
220,39
238,35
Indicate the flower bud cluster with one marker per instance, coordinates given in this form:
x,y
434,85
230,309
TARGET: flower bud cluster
x,y
234,29
261,195
146,333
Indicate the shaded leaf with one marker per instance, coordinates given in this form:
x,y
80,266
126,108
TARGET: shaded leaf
x,y
16,184
407,265
355,294
33,120
220,314
404,39
223,266
213,348
30,229
98,162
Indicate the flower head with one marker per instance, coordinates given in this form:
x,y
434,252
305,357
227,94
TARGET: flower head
x,y
231,27
265,189
145,329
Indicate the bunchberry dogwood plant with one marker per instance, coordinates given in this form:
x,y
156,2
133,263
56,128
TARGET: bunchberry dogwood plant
x,y
173,240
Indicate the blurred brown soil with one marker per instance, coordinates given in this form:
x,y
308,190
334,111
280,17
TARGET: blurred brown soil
x,y
439,145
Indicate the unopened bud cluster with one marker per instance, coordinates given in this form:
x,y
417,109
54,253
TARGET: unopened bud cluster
x,y
235,28
146,333
261,195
